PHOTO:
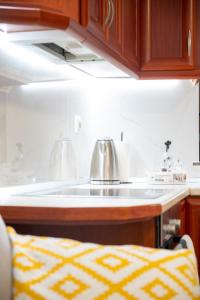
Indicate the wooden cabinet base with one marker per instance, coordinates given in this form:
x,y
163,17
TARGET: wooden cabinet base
x,y
138,233
106,225
193,223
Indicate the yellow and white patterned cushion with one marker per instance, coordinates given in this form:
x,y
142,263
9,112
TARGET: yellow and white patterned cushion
x,y
58,269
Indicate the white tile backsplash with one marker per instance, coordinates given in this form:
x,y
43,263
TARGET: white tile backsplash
x,y
148,113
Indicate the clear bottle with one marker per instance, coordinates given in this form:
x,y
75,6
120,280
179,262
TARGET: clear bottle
x,y
167,161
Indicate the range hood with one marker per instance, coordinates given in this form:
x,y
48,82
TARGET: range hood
x,y
79,57
60,48
70,53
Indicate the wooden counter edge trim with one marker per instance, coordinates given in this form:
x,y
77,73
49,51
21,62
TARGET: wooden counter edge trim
x,y
45,215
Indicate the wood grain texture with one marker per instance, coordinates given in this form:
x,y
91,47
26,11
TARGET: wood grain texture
x,y
131,32
97,16
193,223
45,215
119,44
32,16
83,12
136,225
178,211
50,13
182,213
197,29
152,31
138,233
66,8
114,32
165,28
181,74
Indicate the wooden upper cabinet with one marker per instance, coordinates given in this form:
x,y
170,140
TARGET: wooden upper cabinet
x,y
105,22
131,32
115,23
198,35
57,6
55,13
96,24
168,34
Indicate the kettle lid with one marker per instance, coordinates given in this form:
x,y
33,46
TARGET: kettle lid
x,y
106,139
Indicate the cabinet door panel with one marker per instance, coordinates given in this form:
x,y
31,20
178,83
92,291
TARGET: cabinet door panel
x,y
168,34
131,31
198,34
96,25
114,31
193,224
182,212
177,212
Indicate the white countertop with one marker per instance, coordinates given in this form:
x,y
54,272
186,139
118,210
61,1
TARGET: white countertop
x,y
11,196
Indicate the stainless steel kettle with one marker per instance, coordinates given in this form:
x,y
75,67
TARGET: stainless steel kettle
x,y
104,164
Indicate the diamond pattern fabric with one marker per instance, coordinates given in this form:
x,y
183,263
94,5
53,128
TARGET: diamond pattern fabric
x,y
59,269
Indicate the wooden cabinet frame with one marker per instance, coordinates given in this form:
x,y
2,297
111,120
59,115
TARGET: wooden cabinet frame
x,y
150,46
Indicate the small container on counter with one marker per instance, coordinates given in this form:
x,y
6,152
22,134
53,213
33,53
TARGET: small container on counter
x,y
157,177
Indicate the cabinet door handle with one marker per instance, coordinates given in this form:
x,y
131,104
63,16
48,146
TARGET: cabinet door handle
x,y
108,17
112,13
189,42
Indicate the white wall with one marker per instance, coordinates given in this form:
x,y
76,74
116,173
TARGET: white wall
x,y
147,112
2,127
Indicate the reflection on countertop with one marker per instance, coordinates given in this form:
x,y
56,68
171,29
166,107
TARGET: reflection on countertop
x,y
133,193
